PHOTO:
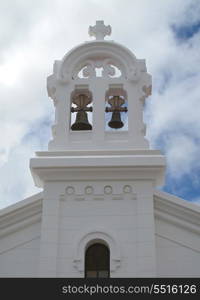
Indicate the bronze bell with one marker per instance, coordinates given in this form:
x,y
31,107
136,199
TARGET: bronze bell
x,y
116,102
81,101
116,121
81,122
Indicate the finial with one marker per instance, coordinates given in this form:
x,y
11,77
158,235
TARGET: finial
x,y
99,30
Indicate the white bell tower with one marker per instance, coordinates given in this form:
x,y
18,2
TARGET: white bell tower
x,y
98,174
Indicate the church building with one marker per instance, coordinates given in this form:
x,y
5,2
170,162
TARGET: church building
x,y
100,213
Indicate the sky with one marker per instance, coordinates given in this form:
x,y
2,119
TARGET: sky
x,y
35,33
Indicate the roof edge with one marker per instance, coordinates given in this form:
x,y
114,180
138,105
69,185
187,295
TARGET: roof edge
x,y
21,214
183,212
20,204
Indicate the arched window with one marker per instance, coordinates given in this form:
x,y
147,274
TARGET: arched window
x,y
97,261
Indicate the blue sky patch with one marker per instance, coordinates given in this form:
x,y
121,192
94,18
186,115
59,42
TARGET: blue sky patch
x,y
187,187
185,32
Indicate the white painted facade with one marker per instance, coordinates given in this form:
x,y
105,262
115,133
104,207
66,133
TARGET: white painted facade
x,y
99,185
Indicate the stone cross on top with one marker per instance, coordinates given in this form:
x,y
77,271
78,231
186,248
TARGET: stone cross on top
x,y
99,30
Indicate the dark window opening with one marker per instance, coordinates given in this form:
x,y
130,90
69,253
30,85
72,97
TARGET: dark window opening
x,y
97,261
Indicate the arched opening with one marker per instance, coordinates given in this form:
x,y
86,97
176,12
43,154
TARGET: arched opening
x,y
97,261
81,109
116,108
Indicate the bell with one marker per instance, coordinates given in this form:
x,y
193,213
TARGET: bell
x,y
116,121
81,122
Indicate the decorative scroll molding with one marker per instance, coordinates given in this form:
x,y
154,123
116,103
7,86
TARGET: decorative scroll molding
x,y
146,91
88,69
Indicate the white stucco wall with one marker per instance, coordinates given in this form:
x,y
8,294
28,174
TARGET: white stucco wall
x,y
115,218
175,260
122,220
177,250
19,252
126,225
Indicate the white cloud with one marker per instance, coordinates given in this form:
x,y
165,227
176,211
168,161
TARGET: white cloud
x,y
34,34
173,111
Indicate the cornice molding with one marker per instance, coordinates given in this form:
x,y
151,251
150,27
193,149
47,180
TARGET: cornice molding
x,y
53,168
20,215
177,211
